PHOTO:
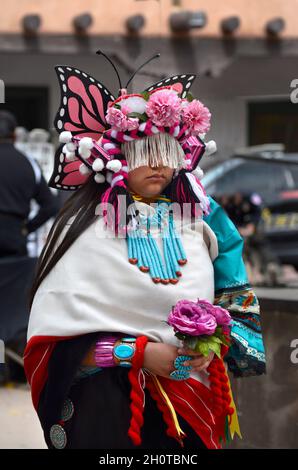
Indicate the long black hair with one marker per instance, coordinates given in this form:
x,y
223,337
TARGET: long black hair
x,y
82,206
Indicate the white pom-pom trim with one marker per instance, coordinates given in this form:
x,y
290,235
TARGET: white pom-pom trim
x,y
86,143
70,147
198,172
70,156
186,163
211,147
142,126
114,165
65,137
176,131
85,153
154,129
109,177
84,170
99,178
116,179
109,146
98,164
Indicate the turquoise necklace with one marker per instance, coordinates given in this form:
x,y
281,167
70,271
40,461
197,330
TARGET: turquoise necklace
x,y
143,249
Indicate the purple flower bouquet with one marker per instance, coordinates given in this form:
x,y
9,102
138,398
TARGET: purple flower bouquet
x,y
202,326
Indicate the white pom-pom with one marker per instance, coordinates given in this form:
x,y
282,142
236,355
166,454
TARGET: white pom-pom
x,y
154,129
65,137
85,153
70,156
186,163
142,126
86,143
114,165
98,164
84,170
70,146
109,177
99,178
198,172
211,147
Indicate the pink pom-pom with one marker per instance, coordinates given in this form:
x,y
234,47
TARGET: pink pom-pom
x,y
197,117
164,108
119,121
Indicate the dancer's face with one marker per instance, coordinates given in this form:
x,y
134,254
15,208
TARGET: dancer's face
x,y
149,181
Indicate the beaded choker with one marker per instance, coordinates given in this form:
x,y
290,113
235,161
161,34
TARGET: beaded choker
x,y
143,249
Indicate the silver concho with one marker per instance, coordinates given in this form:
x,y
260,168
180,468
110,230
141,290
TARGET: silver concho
x,y
67,410
58,436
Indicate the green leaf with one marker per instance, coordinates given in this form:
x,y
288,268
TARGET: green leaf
x,y
202,348
180,335
191,342
225,341
215,339
142,117
215,348
117,106
145,95
189,97
204,338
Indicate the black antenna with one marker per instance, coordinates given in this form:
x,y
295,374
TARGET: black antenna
x,y
143,65
99,52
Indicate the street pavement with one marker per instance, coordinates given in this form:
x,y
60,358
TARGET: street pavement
x,y
20,427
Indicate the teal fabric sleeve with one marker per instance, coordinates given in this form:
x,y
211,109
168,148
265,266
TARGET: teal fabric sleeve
x,y
233,292
229,266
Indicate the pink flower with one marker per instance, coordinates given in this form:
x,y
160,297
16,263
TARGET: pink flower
x,y
221,315
119,120
132,123
189,318
197,117
125,109
164,108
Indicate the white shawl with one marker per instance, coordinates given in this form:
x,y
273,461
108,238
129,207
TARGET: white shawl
x,y
93,287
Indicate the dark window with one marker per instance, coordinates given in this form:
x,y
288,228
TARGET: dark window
x,y
273,122
29,104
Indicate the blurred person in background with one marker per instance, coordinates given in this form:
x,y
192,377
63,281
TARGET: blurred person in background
x,y
21,181
245,210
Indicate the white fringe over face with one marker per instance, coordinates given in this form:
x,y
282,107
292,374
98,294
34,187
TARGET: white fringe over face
x,y
157,150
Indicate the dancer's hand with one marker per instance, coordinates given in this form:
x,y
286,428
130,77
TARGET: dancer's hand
x,y
198,361
159,359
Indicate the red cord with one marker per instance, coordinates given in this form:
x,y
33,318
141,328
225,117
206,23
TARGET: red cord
x,y
219,384
136,393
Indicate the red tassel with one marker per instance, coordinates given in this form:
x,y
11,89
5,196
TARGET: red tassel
x,y
219,385
167,416
136,393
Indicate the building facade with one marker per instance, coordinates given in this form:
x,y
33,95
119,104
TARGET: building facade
x,y
244,53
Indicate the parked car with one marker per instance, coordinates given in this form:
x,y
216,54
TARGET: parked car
x,y
272,174
280,226
265,172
